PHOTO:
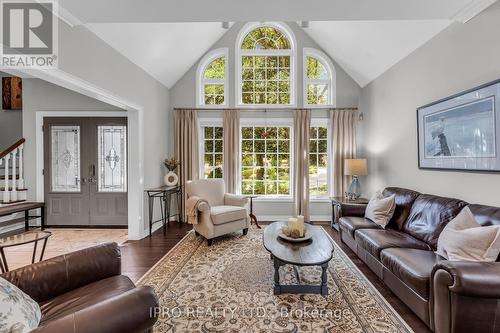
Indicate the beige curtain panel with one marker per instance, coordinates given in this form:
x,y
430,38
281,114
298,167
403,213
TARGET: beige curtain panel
x,y
231,150
186,144
343,133
301,124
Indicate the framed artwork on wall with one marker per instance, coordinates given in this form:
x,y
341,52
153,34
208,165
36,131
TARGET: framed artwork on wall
x,y
461,132
12,93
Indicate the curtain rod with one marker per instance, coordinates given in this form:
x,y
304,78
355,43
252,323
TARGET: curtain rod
x,y
265,109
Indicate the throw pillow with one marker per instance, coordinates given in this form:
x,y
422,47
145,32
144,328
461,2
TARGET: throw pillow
x,y
380,209
465,239
19,312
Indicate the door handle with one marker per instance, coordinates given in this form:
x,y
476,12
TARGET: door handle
x,y
82,180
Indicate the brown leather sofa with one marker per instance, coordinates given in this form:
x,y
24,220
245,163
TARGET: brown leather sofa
x,y
84,292
449,296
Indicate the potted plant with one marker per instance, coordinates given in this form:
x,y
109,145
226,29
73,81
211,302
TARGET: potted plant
x,y
171,178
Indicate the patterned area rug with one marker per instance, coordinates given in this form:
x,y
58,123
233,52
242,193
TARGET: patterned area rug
x,y
227,287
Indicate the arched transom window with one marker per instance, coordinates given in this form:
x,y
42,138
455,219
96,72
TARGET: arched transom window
x,y
318,79
265,65
212,79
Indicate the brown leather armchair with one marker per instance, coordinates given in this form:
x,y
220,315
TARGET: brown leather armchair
x,y
84,292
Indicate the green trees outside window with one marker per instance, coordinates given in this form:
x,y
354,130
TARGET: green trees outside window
x,y
213,151
265,162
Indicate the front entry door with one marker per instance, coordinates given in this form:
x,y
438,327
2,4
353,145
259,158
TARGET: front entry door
x,y
85,171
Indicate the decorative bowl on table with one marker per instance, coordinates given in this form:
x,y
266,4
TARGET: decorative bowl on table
x,y
293,235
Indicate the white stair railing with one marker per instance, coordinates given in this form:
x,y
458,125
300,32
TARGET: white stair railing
x,y
20,182
13,191
6,193
13,176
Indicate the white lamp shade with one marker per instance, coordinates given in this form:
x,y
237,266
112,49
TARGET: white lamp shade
x,y
355,167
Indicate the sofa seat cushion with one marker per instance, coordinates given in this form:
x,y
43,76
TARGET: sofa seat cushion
x,y
84,297
225,214
373,240
352,223
412,266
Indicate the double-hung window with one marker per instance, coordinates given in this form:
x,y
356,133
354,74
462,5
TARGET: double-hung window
x,y
318,161
266,160
213,158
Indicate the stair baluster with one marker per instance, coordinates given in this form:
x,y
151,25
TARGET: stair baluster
x,y
6,193
21,171
13,192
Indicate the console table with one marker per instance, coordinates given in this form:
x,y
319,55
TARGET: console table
x,y
165,193
342,205
25,208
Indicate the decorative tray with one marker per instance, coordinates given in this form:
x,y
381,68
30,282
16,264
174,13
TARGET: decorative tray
x,y
307,236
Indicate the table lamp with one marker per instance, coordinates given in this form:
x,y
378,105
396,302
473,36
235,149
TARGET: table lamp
x,y
355,167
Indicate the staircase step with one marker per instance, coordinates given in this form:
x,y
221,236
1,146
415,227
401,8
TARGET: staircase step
x,y
10,177
4,204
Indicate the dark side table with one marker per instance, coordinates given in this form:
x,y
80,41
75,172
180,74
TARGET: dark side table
x,y
341,206
253,218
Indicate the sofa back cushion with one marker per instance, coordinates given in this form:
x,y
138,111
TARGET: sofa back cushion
x,y
429,214
486,215
404,200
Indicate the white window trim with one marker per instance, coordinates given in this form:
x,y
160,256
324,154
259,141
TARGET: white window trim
x,y
252,122
205,122
324,122
332,85
201,81
285,29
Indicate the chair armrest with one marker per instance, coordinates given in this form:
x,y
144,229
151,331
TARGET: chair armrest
x,y
200,203
204,207
475,279
235,200
49,278
131,312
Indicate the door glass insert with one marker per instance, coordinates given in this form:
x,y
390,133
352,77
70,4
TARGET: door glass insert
x,y
65,159
112,158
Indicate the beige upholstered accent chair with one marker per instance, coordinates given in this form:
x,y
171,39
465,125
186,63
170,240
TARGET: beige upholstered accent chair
x,y
224,213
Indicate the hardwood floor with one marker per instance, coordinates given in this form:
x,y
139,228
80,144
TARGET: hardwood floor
x,y
140,256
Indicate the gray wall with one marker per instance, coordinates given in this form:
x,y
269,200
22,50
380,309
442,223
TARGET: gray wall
x,y
90,66
461,57
183,94
11,125
43,96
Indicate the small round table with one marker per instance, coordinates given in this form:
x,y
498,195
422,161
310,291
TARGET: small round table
x,y
253,218
21,239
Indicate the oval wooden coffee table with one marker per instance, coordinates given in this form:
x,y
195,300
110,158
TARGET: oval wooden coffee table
x,y
317,251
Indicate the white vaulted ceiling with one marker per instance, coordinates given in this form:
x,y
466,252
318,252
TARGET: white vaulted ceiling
x,y
365,37
366,49
164,50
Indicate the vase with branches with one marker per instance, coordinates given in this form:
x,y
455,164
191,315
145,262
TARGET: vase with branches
x,y
171,179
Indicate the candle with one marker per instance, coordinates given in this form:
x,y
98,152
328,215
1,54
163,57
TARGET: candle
x,y
300,225
292,223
